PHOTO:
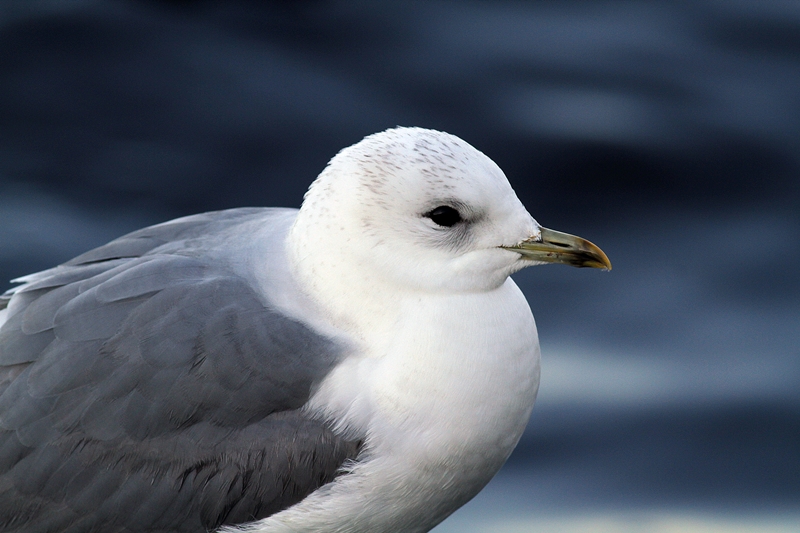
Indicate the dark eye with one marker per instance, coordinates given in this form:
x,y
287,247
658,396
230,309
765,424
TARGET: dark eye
x,y
444,215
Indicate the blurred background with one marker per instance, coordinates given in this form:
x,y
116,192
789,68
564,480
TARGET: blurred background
x,y
667,132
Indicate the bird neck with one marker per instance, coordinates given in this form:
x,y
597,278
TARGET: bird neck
x,y
354,299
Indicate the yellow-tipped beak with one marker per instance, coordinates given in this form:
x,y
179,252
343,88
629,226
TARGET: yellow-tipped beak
x,y
555,247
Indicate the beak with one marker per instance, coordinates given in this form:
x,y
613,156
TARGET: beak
x,y
552,246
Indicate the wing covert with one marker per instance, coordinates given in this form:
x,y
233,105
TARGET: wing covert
x,y
148,386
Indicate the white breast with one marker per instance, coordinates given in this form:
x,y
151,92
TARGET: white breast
x,y
443,395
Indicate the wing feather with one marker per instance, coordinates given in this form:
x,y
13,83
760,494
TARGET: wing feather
x,y
147,385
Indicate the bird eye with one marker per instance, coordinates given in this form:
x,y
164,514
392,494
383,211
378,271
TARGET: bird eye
x,y
444,215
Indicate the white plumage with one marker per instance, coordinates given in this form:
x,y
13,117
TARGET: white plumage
x,y
444,365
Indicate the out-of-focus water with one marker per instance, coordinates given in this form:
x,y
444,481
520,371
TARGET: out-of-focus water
x,y
668,132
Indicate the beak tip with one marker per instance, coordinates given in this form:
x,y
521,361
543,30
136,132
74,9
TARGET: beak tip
x,y
604,263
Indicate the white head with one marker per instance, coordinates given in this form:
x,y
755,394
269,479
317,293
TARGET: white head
x,y
418,208
411,209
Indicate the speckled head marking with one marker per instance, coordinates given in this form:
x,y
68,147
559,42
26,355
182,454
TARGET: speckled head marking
x,y
374,202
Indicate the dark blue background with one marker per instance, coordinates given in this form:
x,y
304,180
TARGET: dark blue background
x,y
668,132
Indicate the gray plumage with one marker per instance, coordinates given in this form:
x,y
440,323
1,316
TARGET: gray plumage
x,y
147,386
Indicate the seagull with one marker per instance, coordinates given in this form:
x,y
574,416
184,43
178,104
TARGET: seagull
x,y
362,364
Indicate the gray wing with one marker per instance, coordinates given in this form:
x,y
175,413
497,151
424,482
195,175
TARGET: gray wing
x,y
145,387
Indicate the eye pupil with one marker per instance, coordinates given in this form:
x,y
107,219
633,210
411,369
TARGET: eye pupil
x,y
444,215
